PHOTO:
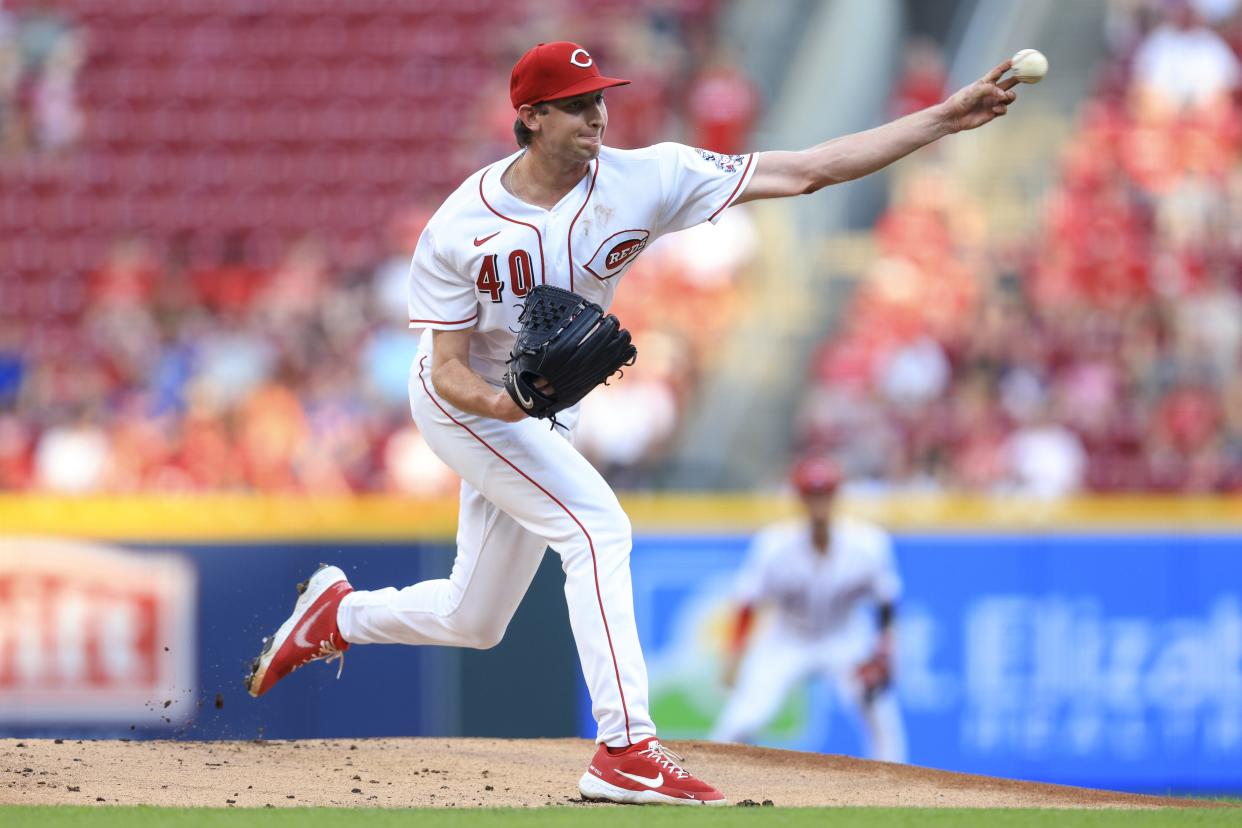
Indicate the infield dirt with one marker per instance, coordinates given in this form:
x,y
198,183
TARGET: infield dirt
x,y
404,773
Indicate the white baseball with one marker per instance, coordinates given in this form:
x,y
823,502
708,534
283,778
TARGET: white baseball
x,y
1030,66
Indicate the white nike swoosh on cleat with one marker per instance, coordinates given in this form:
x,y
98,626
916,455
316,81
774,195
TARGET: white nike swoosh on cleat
x,y
654,782
299,635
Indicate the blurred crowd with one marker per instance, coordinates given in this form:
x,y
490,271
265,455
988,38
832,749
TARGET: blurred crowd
x,y
1101,355
242,357
41,52
1104,354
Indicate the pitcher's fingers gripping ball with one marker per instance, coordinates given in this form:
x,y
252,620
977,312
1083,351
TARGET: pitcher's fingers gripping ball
x,y
566,347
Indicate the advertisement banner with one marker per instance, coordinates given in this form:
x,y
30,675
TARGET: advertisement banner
x,y
95,634
138,641
1109,660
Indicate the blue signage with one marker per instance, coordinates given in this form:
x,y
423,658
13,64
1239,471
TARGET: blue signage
x,y
1107,660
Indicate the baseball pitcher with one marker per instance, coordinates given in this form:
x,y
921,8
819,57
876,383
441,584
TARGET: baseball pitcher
x,y
509,286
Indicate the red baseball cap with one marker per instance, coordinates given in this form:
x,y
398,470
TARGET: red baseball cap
x,y
816,475
555,70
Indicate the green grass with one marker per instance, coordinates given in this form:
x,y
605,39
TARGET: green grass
x,y
648,817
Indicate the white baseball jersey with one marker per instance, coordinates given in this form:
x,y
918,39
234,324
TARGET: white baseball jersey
x,y
818,596
484,249
524,486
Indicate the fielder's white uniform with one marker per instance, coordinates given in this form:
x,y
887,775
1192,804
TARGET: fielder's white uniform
x,y
821,627
525,487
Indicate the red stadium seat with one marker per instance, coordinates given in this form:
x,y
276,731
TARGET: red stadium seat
x,y
306,114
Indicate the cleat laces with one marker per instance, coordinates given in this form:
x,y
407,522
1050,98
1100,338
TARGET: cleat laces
x,y
666,759
328,652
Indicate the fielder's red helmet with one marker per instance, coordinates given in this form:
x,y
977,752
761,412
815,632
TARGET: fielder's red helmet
x,y
816,475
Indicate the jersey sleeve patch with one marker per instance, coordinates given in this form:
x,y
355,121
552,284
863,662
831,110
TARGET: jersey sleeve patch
x,y
697,184
724,163
617,251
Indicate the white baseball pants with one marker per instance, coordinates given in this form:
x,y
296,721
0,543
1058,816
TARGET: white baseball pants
x,y
775,663
525,488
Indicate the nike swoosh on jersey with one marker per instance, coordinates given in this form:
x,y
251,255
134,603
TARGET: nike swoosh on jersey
x,y
654,782
479,242
299,635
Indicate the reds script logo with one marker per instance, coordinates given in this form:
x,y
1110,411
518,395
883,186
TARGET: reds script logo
x,y
617,251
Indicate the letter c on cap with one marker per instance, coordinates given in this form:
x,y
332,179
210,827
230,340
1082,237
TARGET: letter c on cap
x,y
573,58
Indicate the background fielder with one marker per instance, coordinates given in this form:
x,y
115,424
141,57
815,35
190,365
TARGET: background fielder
x,y
819,575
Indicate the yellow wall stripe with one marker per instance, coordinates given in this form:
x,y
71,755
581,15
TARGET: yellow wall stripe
x,y
265,518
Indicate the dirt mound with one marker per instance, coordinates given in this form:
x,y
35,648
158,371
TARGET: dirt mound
x,y
405,773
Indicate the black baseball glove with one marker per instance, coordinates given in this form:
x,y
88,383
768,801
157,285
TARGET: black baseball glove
x,y
567,342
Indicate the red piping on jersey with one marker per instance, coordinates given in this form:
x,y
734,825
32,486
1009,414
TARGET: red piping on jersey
x,y
542,275
590,543
750,160
570,235
443,322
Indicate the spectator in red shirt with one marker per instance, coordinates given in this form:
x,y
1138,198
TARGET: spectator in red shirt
x,y
723,103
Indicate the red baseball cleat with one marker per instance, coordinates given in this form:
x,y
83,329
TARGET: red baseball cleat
x,y
647,773
310,634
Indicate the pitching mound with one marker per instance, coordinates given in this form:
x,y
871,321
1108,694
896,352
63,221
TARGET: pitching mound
x,y
407,773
